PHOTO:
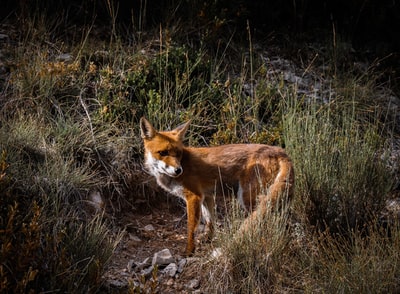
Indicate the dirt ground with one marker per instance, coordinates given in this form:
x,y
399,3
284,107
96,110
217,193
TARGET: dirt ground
x,y
148,230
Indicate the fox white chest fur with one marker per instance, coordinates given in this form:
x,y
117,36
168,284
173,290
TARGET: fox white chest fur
x,y
199,174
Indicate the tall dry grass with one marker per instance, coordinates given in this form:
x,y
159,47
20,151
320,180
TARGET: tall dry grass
x,y
69,128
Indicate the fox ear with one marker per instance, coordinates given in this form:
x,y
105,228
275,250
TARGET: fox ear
x,y
181,130
146,129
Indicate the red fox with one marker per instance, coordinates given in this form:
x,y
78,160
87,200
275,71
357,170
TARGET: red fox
x,y
259,174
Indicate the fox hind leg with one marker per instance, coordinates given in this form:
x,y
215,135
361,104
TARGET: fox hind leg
x,y
208,214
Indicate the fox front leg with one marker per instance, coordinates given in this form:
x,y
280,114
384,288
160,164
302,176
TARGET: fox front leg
x,y
193,207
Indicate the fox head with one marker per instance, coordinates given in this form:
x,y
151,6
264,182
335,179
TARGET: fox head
x,y
163,150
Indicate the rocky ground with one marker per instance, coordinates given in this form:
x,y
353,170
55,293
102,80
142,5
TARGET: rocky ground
x,y
150,258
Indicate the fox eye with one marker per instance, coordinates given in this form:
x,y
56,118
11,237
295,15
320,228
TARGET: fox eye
x,y
163,152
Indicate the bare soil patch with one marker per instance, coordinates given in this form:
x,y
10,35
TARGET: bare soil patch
x,y
150,229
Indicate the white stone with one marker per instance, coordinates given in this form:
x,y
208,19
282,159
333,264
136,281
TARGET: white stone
x,y
171,269
149,228
193,284
163,257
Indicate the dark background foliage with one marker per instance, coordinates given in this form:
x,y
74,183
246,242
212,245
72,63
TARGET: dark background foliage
x,y
369,28
363,22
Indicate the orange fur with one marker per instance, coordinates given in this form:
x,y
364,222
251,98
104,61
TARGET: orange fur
x,y
198,174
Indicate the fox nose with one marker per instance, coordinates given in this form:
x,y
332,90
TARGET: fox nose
x,y
178,171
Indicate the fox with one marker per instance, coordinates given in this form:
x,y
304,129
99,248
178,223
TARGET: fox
x,y
260,175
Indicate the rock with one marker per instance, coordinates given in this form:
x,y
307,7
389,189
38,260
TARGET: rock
x,y
117,284
171,269
134,238
163,257
96,200
142,265
181,265
149,228
147,271
216,253
391,212
193,284
65,57
130,265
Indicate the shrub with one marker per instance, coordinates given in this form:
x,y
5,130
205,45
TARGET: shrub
x,y
361,263
337,158
48,243
252,262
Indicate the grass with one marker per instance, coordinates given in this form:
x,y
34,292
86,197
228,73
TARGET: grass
x,y
69,128
48,240
253,262
330,240
359,263
339,155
